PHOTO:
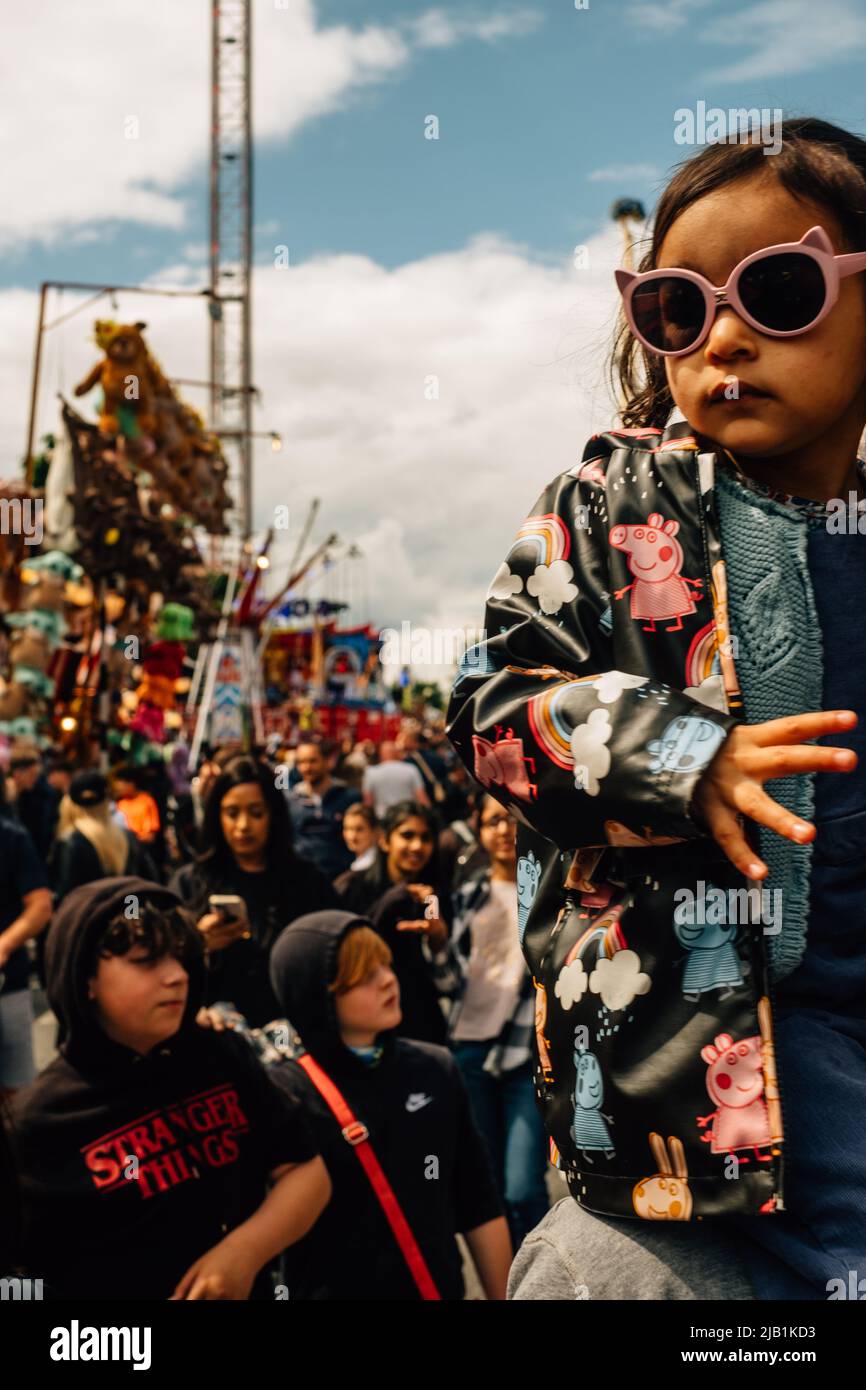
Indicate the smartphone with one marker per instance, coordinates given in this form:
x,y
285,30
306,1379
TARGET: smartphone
x,y
228,905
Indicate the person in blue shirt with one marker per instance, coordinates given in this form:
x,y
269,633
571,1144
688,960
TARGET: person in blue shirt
x,y
25,908
317,805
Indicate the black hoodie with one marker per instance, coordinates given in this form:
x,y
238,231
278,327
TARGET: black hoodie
x,y
198,1115
416,1108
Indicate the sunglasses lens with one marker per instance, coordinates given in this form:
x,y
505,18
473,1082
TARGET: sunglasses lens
x,y
784,292
669,313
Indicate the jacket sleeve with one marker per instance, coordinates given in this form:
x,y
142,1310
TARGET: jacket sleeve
x,y
541,716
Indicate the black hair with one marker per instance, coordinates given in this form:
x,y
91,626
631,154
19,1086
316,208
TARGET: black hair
x,y
216,857
403,811
817,163
16,763
125,773
159,931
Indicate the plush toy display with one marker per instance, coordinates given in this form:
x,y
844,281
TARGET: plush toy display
x,y
165,440
162,665
124,374
124,495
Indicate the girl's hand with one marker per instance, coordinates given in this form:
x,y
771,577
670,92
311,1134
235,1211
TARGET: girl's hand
x,y
752,754
421,891
435,928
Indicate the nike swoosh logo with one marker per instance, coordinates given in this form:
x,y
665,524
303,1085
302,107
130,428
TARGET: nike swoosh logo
x,y
417,1102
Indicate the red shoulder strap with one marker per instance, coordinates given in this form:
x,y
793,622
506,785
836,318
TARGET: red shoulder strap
x,y
358,1136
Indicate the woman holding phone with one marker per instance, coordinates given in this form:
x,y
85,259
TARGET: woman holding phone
x,y
246,885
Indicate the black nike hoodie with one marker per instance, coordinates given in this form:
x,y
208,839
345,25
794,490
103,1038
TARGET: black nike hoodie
x,y
416,1108
133,1166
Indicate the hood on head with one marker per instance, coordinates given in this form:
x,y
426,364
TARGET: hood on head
x,y
77,923
303,965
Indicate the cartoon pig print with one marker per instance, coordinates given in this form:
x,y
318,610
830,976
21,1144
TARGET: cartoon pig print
x,y
655,558
687,743
528,879
735,1081
504,763
589,1128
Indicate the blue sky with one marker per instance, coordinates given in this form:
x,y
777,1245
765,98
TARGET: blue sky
x,y
409,257
532,126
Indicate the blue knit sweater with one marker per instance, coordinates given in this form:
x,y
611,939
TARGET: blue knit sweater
x,y
779,662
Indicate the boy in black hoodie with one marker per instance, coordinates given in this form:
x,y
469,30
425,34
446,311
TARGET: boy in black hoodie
x,y
146,1147
332,974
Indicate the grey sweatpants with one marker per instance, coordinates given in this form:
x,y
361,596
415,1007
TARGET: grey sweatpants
x,y
574,1254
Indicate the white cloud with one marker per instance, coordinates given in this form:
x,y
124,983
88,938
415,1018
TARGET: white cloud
x,y
782,37
613,683
619,980
552,585
504,583
433,490
662,16
441,28
776,38
589,751
111,102
571,984
619,173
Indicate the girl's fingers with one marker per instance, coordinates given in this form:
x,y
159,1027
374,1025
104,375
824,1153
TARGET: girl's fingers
x,y
728,835
799,728
781,759
754,802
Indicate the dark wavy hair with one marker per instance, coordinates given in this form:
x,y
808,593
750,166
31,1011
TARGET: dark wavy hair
x,y
818,162
216,857
157,930
403,811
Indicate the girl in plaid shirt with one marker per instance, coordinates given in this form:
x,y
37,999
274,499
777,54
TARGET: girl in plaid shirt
x,y
491,1022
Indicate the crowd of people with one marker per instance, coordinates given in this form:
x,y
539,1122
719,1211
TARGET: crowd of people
x,y
250,963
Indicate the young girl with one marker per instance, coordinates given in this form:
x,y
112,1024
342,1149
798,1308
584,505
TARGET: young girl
x,y
674,627
490,1027
407,899
360,834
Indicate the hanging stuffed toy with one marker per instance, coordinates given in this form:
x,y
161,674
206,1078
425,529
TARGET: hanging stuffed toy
x,y
125,375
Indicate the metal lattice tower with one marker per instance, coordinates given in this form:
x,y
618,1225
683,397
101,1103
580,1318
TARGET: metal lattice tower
x,y
231,246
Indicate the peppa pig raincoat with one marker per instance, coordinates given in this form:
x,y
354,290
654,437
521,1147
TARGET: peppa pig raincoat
x,y
602,688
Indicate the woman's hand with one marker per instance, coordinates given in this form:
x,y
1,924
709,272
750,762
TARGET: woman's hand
x,y
435,929
226,1272
752,754
219,931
